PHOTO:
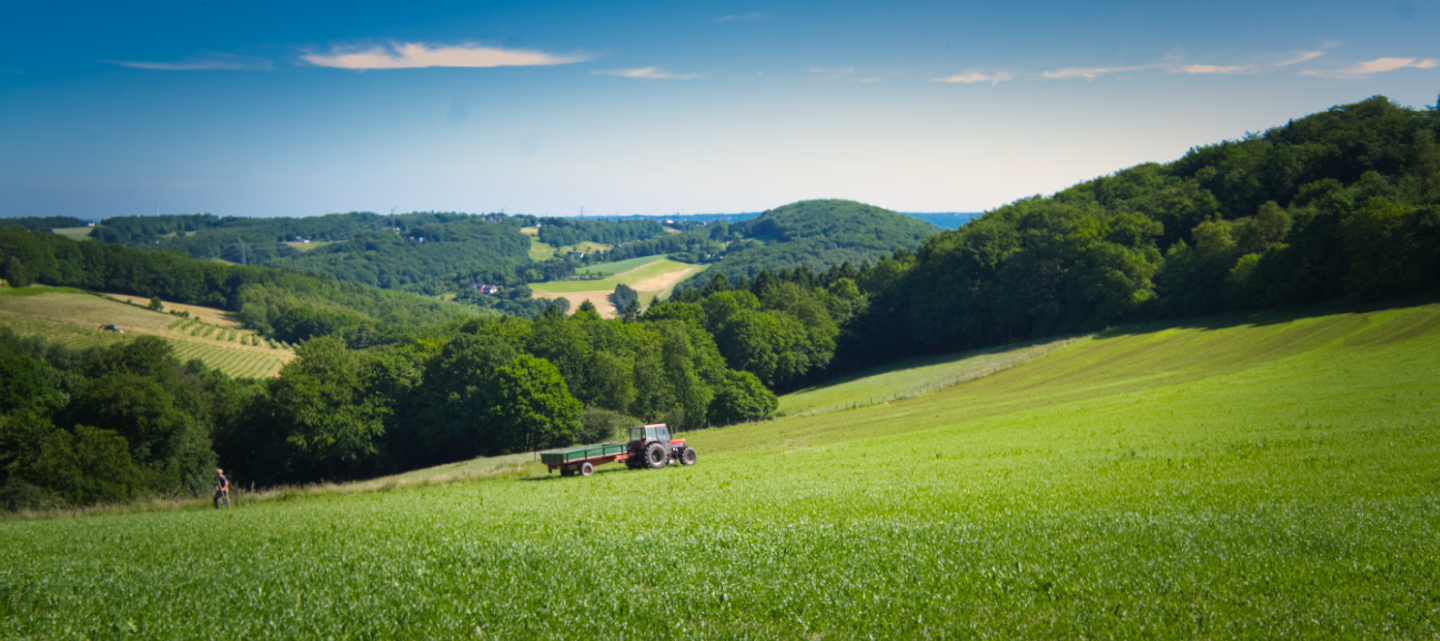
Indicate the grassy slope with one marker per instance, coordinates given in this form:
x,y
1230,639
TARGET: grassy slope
x,y
912,377
1251,477
74,318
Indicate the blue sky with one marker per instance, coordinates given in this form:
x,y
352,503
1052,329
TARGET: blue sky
x,y
265,109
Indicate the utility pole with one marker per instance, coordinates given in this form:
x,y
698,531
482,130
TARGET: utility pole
x,y
242,252
582,211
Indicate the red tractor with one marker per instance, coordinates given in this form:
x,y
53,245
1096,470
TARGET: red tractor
x,y
652,447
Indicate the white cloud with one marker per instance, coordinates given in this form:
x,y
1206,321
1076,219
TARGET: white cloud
x,y
740,16
205,62
416,55
647,72
972,77
1203,69
1089,73
1379,65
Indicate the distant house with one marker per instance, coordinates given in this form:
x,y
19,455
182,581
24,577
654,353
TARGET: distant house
x,y
489,290
575,254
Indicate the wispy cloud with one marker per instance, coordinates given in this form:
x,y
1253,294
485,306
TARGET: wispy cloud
x,y
1379,65
1090,73
1299,57
972,77
739,16
416,55
204,62
14,72
655,73
1203,69
830,73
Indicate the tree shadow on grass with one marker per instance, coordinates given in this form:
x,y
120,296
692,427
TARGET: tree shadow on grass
x,y
1262,318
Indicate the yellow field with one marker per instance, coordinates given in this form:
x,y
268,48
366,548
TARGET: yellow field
x,y
78,320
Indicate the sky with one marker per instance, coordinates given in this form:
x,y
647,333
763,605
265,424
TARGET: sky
x,y
293,109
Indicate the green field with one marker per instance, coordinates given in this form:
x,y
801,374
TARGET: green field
x,y
74,233
1260,477
75,318
912,377
610,269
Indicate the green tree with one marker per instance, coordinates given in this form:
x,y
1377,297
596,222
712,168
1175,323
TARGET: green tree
x,y
741,398
321,398
533,409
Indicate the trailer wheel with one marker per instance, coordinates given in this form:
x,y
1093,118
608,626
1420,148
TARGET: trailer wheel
x,y
688,456
586,469
655,456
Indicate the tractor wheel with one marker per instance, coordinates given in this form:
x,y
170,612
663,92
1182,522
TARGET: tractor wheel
x,y
688,456
655,456
586,469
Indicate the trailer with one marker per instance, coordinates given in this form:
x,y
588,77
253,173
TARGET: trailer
x,y
650,446
583,459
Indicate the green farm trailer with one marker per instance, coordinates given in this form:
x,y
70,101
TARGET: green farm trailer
x,y
650,446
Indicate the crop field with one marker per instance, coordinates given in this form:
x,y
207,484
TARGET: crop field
x,y
75,318
1258,477
74,233
651,277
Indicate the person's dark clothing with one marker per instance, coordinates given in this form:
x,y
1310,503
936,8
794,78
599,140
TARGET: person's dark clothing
x,y
222,491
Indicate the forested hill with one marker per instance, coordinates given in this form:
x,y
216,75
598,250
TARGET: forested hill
x,y
816,234
1343,203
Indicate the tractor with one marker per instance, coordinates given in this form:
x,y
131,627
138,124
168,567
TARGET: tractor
x,y
651,446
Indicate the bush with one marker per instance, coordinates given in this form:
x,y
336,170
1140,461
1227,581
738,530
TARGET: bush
x,y
599,425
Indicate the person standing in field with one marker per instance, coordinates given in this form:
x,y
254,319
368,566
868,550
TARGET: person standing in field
x,y
222,489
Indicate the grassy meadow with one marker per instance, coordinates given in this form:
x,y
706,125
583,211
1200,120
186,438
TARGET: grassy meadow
x,y
75,318
1250,476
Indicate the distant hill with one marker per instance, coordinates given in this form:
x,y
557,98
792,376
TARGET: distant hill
x,y
818,234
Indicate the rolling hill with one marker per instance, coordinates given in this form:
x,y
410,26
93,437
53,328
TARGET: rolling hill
x,y
78,319
1246,475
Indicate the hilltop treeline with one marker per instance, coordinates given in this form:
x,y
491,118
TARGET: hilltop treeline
x,y
427,252
285,304
816,234
42,223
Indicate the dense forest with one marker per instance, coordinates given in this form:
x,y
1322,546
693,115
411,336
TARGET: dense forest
x,y
1343,204
42,223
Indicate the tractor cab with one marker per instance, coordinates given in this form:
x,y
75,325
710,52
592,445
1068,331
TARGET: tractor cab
x,y
650,433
